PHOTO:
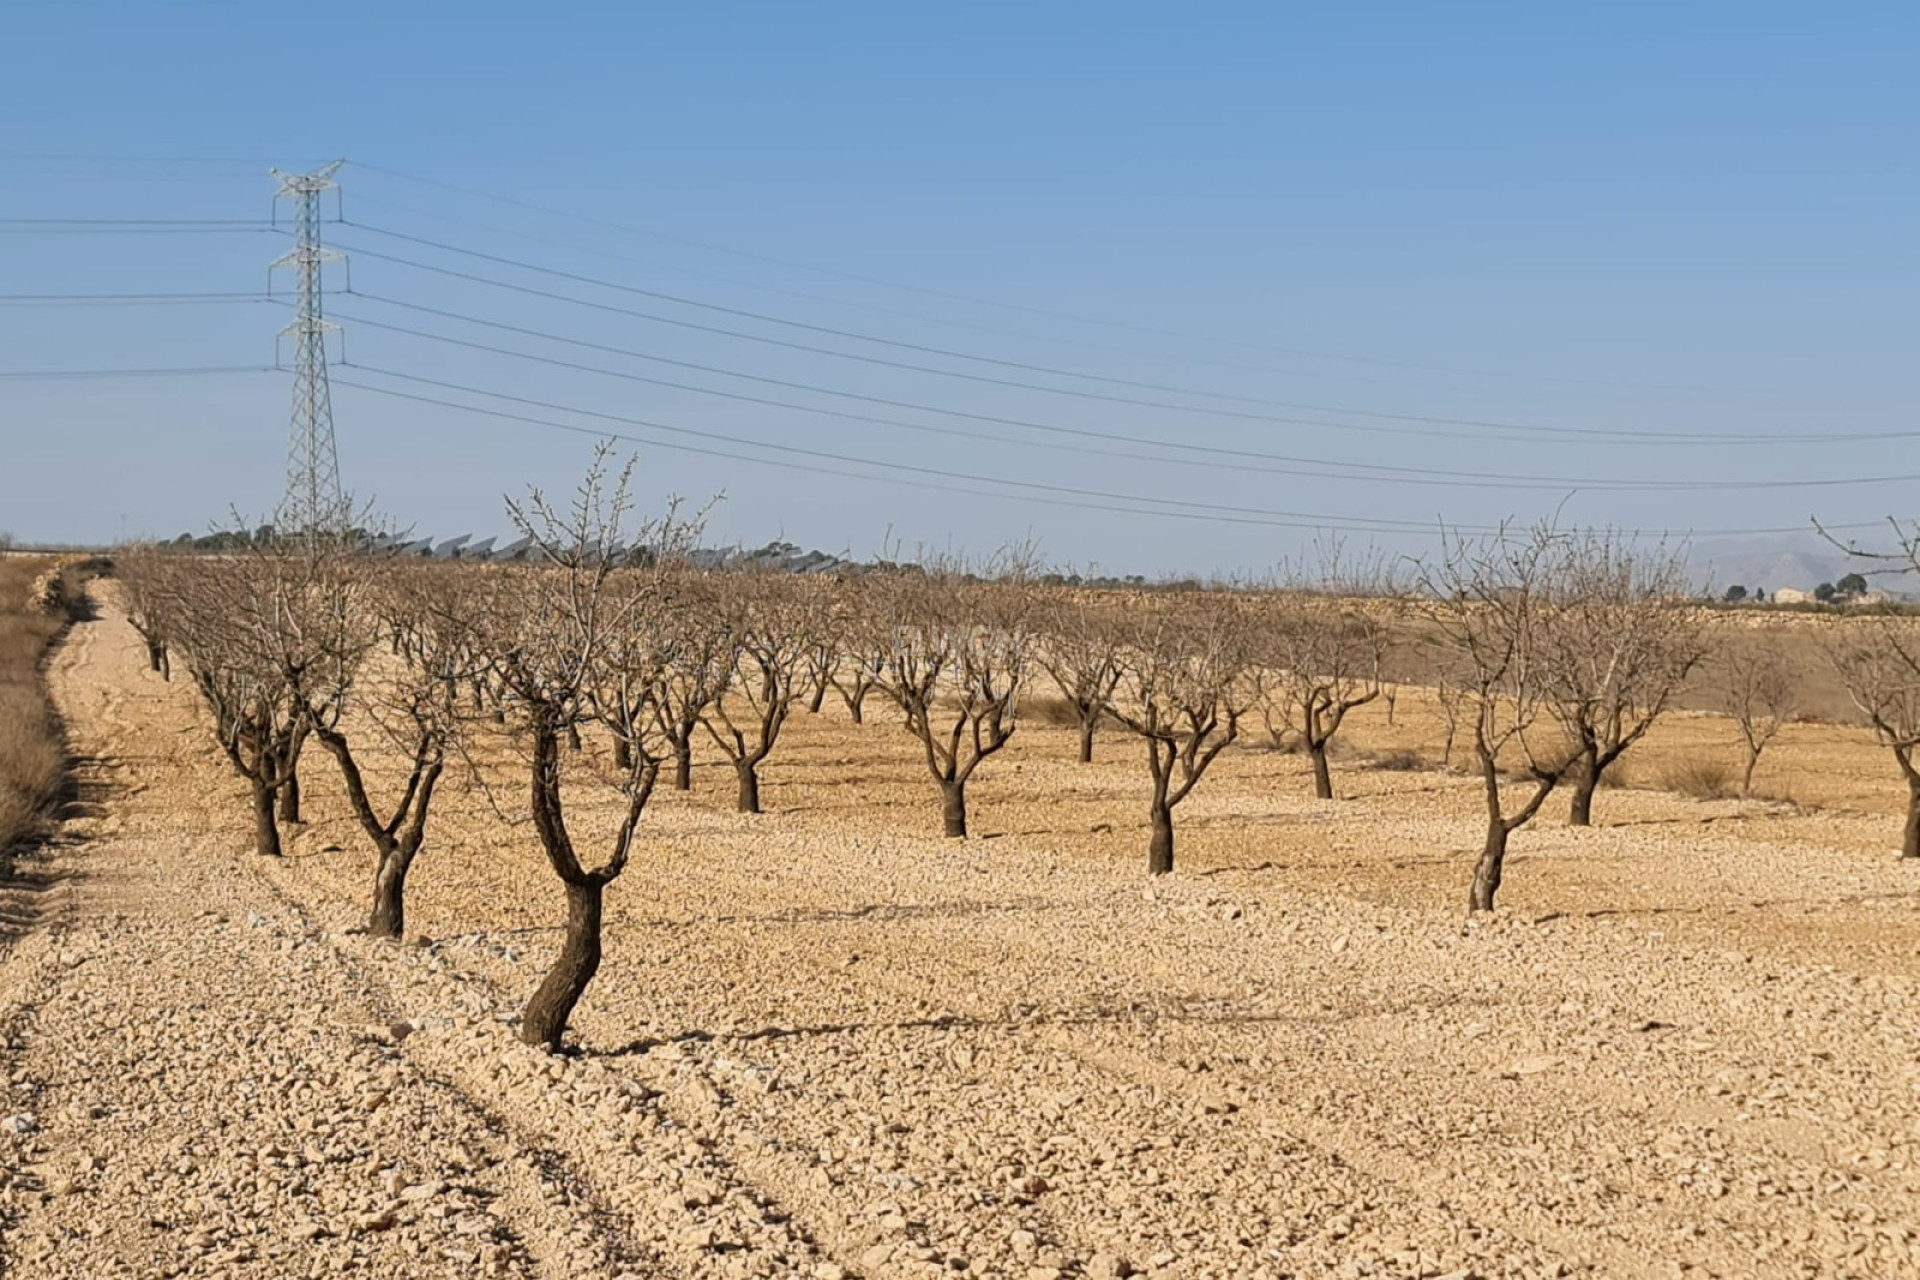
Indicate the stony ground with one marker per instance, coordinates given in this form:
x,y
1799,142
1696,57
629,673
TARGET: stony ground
x,y
828,1044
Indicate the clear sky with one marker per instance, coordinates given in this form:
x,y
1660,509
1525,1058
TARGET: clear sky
x,y
1325,244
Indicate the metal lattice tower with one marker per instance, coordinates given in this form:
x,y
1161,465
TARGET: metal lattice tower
x,y
313,501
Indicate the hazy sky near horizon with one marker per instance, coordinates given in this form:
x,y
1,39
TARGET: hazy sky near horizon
x,y
1164,287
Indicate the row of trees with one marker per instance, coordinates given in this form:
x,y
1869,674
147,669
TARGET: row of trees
x,y
581,668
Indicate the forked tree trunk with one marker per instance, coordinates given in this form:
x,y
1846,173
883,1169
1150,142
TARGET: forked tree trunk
x,y
544,1020
1160,843
1322,776
389,918
622,753
1746,777
1087,724
818,700
266,831
683,764
856,707
953,808
749,773
1486,872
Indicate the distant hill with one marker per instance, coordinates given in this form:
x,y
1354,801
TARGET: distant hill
x,y
1801,562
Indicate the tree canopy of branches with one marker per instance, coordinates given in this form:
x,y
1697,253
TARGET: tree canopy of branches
x,y
1878,661
1758,691
957,652
1618,645
1491,603
697,664
1185,682
579,630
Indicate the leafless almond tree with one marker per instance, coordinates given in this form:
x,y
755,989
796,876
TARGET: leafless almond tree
x,y
1321,658
769,621
698,664
956,661
1490,603
1760,693
144,572
559,628
1878,661
1623,639
1185,682
414,706
1079,648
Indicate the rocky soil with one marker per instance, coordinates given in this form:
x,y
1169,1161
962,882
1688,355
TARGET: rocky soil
x,y
827,1044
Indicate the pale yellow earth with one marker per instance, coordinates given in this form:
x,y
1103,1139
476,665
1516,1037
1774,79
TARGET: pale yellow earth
x,y
826,1042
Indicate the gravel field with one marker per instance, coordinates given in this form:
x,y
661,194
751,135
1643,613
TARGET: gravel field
x,y
826,1043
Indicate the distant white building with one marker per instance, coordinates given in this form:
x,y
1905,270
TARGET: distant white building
x,y
1787,595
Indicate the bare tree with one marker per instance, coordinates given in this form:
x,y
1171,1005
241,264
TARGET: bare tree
x,y
1760,693
1878,660
1080,651
770,623
557,629
262,629
1322,658
957,659
864,648
699,663
414,707
1621,643
144,572
1490,602
1185,682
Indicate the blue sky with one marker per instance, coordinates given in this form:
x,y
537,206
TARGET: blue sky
x,y
1653,220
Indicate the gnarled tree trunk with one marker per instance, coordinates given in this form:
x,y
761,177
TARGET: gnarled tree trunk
x,y
389,916
266,831
1160,843
953,810
1486,872
1586,779
1322,776
749,771
1087,725
544,1020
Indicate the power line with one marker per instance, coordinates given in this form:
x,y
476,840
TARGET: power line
x,y
1051,495
132,222
908,468
1047,313
33,375
1513,430
125,299
1242,459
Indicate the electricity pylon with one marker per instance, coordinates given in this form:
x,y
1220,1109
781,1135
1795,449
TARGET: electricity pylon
x,y
313,501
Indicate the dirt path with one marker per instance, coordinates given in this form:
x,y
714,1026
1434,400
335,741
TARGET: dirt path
x,y
823,1046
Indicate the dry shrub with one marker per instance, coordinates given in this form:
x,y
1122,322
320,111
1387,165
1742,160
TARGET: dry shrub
x,y
1700,778
35,597
1397,760
1050,710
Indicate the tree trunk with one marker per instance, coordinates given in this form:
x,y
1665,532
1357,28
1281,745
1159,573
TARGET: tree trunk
x,y
573,737
818,700
389,918
1746,779
1160,844
749,786
266,832
1322,778
290,797
683,764
1087,724
1910,845
544,1021
856,707
154,654
953,809
1585,779
1486,872
622,753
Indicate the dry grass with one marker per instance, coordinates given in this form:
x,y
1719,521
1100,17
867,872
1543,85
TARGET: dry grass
x,y
1700,778
32,758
